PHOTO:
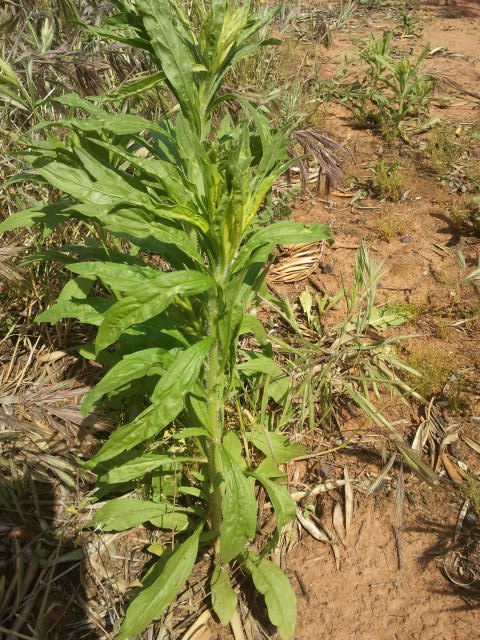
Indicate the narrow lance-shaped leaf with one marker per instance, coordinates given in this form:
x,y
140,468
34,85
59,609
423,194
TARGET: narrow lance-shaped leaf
x,y
125,513
224,598
131,367
136,465
280,598
160,587
139,86
283,503
51,215
276,445
131,224
148,302
74,303
120,277
281,233
279,381
77,183
174,56
169,396
239,508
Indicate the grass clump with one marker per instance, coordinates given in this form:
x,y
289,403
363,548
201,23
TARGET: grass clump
x,y
392,90
371,5
443,149
459,212
409,22
474,495
389,225
390,178
435,366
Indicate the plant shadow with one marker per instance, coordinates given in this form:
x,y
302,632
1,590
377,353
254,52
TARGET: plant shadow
x,y
448,545
41,565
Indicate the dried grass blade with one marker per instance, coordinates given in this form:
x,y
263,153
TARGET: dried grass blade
x,y
473,444
199,629
397,529
348,500
381,476
338,521
460,519
236,626
451,469
311,528
319,488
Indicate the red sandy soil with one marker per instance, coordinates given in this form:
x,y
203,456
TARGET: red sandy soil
x,y
370,598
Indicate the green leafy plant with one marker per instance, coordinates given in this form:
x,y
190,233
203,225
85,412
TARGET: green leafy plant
x,y
184,193
346,11
392,90
444,149
348,361
410,24
371,5
390,179
390,224
192,56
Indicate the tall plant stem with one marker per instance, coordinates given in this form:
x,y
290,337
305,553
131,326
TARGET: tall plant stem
x,y
216,424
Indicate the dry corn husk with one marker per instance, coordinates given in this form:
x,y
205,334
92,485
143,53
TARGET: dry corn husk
x,y
452,469
299,263
311,528
199,629
317,489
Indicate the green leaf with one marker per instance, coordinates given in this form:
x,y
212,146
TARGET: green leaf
x,y
132,224
251,324
224,598
131,367
280,498
118,125
280,598
138,86
88,311
239,509
160,587
74,303
276,445
279,381
119,277
193,155
51,215
167,177
125,513
133,465
174,56
78,184
74,101
169,396
148,302
268,468
191,432
285,232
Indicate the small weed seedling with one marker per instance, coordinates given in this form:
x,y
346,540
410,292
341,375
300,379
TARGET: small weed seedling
x,y
444,149
389,225
349,361
410,24
390,179
392,90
